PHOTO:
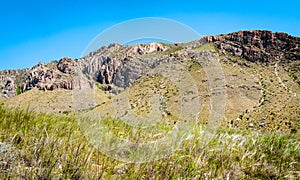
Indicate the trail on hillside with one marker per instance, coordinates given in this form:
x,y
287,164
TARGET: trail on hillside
x,y
279,79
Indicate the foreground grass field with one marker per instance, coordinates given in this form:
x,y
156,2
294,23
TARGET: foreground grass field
x,y
41,146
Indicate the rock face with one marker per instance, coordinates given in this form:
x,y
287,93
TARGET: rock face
x,y
108,70
135,68
108,64
262,46
101,68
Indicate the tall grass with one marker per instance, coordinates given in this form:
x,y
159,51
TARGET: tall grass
x,y
42,146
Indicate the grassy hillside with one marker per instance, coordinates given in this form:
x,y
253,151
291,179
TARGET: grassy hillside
x,y
259,96
35,146
56,101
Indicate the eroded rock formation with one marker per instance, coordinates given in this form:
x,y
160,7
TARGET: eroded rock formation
x,y
258,45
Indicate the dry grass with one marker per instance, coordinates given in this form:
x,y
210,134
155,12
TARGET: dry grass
x,y
56,101
41,146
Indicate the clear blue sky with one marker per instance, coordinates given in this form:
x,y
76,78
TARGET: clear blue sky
x,y
44,30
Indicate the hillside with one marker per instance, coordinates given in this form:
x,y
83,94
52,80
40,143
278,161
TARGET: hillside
x,y
260,70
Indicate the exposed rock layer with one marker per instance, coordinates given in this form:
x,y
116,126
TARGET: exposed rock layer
x,y
262,46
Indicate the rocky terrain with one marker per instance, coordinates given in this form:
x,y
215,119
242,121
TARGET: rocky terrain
x,y
259,46
262,46
102,65
261,70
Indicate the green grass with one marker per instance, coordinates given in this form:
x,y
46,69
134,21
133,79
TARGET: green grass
x,y
172,50
42,146
206,47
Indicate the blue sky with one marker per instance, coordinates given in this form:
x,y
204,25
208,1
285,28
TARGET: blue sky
x,y
42,30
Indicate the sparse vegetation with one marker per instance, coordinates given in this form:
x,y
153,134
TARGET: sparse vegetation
x,y
206,46
294,73
173,49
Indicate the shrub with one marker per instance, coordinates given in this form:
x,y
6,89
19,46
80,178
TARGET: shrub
x,y
18,90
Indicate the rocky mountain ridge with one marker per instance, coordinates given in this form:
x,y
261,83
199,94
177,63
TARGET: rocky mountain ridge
x,y
119,66
102,65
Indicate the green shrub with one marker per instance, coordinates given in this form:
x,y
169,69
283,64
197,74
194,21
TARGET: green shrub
x,y
18,90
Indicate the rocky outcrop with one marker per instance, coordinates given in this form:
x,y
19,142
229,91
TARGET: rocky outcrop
x,y
51,76
145,49
9,89
258,46
66,65
44,77
8,79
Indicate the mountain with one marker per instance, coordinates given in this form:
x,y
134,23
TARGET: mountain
x,y
261,71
